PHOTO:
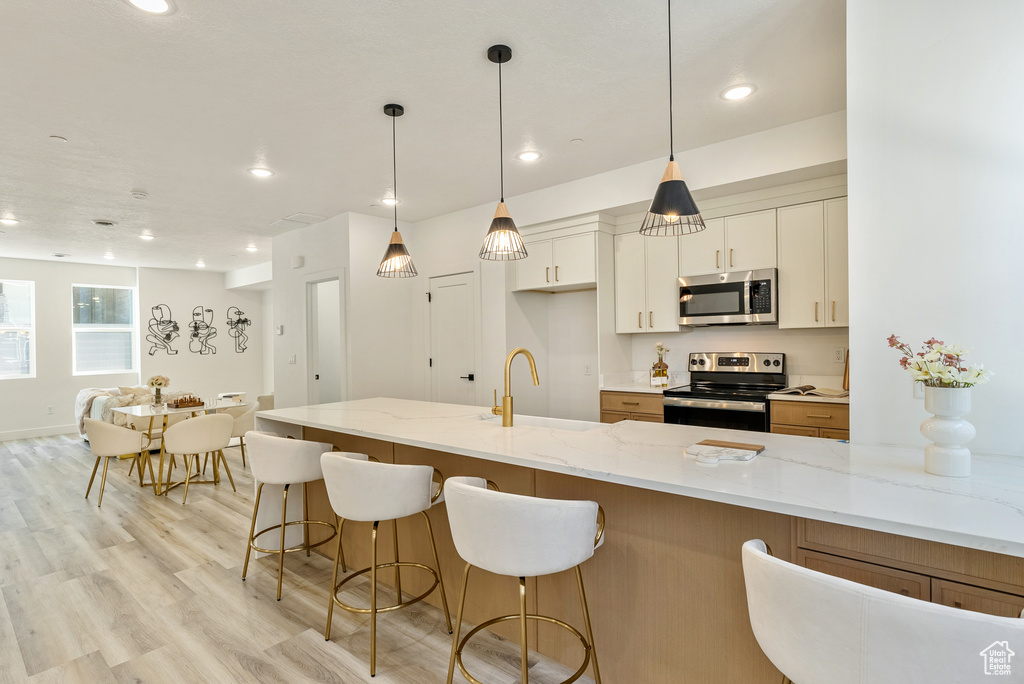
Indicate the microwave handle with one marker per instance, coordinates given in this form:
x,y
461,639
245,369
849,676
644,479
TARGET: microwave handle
x,y
747,287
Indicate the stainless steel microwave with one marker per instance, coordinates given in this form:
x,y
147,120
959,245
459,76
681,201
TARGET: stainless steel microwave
x,y
737,298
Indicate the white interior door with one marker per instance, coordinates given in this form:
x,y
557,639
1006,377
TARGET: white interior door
x,y
452,339
325,341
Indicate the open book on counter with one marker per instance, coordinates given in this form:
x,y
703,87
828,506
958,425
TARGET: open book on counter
x,y
812,391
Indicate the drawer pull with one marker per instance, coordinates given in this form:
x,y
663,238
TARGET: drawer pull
x,y
905,592
631,403
819,415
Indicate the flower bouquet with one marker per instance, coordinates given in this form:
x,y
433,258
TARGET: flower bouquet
x,y
939,364
158,382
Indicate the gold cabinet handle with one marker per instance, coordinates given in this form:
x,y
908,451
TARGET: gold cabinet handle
x,y
556,274
631,403
547,274
730,257
833,311
650,319
716,258
640,319
819,415
815,312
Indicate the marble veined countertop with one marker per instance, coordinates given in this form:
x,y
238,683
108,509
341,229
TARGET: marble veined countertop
x,y
872,487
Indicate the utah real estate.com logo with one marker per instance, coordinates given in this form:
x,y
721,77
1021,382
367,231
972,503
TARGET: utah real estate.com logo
x,y
997,658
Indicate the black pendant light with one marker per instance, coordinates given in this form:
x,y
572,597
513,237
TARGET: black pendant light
x,y
396,262
673,211
503,241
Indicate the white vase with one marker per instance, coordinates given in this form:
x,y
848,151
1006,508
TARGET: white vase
x,y
948,431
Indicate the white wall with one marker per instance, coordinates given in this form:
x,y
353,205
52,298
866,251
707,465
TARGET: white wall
x,y
936,167
227,370
267,317
24,402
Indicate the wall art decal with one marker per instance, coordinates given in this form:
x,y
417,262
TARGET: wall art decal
x,y
202,331
237,323
163,330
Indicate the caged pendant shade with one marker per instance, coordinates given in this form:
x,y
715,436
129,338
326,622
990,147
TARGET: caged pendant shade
x,y
397,263
672,211
503,241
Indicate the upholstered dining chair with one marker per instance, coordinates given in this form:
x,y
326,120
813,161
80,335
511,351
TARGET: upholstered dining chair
x,y
108,441
245,420
820,629
208,434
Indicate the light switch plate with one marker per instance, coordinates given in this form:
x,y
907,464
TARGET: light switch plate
x,y
279,330
291,358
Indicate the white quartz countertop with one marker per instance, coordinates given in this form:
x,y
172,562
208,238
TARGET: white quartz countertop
x,y
775,396
644,387
872,487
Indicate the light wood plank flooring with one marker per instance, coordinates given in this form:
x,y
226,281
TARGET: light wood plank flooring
x,y
147,590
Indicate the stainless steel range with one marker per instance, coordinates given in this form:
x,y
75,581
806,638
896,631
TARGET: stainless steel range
x,y
727,390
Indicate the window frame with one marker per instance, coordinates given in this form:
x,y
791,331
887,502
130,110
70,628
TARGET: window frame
x,y
31,330
132,329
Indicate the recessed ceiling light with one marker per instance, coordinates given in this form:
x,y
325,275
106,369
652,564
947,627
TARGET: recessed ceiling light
x,y
390,201
104,223
738,92
58,138
152,6
95,299
252,248
260,172
8,221
528,156
108,256
139,194
576,141
145,237
200,264
60,255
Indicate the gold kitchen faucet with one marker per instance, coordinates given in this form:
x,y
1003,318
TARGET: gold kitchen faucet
x,y
505,410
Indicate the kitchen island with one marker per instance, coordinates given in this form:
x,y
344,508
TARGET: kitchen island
x,y
666,588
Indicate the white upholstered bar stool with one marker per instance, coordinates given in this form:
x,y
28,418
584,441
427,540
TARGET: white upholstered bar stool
x,y
282,461
208,434
819,629
107,441
368,491
521,536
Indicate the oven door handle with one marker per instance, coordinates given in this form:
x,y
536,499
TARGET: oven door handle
x,y
722,404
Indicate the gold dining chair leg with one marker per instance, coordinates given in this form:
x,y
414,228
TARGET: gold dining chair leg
x,y
373,599
586,622
305,516
338,557
188,473
525,655
93,476
280,553
131,468
152,480
241,445
103,481
398,568
437,567
252,529
458,624
226,469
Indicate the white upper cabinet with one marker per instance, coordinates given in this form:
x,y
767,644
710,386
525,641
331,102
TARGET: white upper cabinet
x,y
562,263
813,271
646,290
734,243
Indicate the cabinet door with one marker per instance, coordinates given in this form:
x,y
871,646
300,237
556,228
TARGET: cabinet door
x,y
534,272
797,430
630,284
802,266
573,260
897,581
969,597
750,241
837,270
704,252
613,416
662,284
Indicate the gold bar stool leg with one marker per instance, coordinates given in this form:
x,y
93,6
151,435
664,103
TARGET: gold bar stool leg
x,y
305,516
373,600
458,623
586,622
103,481
339,555
525,657
241,443
341,549
280,555
398,569
252,530
93,476
437,567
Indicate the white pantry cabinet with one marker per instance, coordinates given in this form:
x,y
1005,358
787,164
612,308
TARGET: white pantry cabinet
x,y
562,263
646,289
813,268
734,243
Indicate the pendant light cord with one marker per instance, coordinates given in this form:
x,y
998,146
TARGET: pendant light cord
x,y
394,169
501,137
671,140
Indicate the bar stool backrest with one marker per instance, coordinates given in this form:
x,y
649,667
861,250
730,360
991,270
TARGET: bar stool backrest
x,y
360,489
520,536
279,460
106,439
819,628
199,435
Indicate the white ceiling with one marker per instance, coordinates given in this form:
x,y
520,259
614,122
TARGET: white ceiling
x,y
180,106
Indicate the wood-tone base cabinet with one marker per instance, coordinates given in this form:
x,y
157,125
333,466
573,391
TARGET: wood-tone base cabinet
x,y
811,419
616,406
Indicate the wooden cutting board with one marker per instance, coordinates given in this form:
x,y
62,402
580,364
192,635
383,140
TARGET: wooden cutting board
x,y
756,448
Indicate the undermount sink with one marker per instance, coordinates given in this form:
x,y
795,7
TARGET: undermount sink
x,y
550,423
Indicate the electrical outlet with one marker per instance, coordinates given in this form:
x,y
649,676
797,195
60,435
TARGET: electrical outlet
x,y
586,369
49,410
838,354
291,358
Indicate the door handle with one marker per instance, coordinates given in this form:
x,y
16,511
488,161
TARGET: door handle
x,y
556,274
316,377
466,377
547,274
640,319
730,257
716,258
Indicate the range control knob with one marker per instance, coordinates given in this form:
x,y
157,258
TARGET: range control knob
x,y
776,362
768,363
693,362
701,362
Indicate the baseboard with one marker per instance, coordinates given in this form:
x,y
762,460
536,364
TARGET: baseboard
x,y
39,432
